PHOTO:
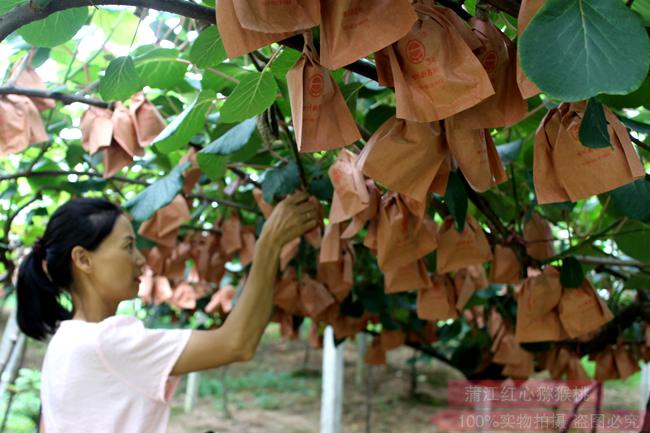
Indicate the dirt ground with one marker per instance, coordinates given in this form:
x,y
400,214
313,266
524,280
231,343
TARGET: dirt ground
x,y
279,391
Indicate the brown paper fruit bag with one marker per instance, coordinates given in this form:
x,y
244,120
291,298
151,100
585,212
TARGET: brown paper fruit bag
x,y
339,276
402,237
418,149
476,155
410,277
238,40
353,29
20,124
96,129
584,171
349,185
437,302
506,268
506,107
314,296
460,250
277,16
566,170
435,72
163,226
537,313
30,79
523,369
231,239
626,363
527,11
286,293
538,238
390,339
375,355
321,118
147,120
582,311
605,365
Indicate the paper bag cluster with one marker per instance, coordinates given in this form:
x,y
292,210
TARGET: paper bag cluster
x,y
546,311
121,133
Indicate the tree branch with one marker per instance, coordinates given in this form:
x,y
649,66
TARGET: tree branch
x,y
65,98
50,173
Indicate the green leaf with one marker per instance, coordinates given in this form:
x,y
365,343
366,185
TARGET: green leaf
x,y
322,188
571,274
120,81
633,239
7,5
213,165
255,93
184,126
56,29
285,60
41,55
375,117
219,83
233,140
280,181
157,195
576,49
207,50
635,125
633,199
639,97
643,9
593,129
119,24
456,199
160,68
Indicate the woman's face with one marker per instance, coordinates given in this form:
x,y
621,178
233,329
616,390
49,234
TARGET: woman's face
x,y
117,263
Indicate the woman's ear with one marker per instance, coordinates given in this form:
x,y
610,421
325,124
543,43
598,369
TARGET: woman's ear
x,y
81,259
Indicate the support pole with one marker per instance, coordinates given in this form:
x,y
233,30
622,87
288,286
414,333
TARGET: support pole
x,y
332,392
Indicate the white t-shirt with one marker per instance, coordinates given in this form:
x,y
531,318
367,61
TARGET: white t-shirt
x,y
110,377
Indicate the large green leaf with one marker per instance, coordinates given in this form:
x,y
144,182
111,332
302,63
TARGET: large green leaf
x,y
576,49
157,195
633,199
633,239
593,129
56,29
160,68
120,81
208,49
184,126
255,93
233,140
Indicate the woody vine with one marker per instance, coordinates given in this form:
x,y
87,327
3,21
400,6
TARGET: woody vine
x,y
470,205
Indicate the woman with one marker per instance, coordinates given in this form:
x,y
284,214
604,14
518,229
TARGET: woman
x,y
107,373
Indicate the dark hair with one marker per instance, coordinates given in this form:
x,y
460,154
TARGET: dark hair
x,y
81,221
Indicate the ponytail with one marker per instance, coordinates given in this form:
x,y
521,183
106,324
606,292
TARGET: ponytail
x,y
38,308
46,272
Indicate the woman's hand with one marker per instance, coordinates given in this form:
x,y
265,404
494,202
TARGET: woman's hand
x,y
292,217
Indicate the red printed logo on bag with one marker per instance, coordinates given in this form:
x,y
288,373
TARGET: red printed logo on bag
x,y
316,85
415,51
490,62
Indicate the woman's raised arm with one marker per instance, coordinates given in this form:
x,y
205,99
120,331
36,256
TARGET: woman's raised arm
x,y
237,339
